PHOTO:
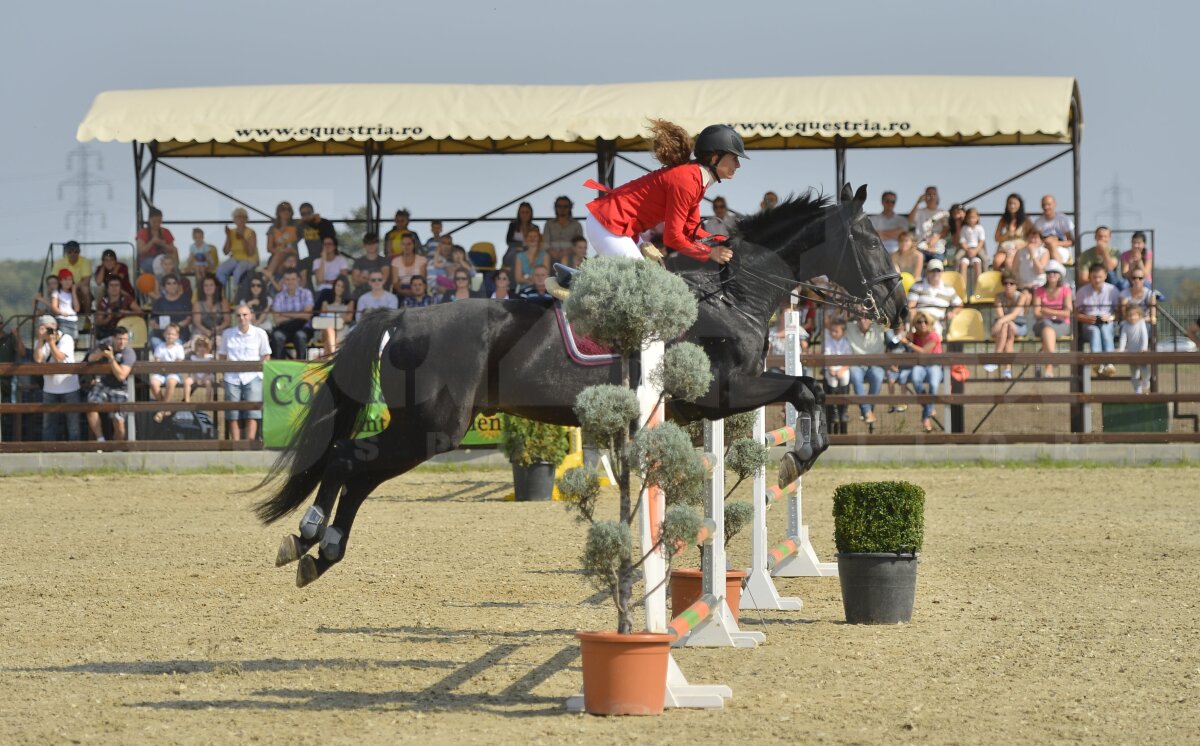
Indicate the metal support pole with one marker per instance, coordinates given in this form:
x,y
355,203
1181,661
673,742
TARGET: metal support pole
x,y
373,155
1081,414
839,154
606,151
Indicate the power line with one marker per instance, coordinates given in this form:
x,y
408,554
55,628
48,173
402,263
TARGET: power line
x,y
78,220
1118,209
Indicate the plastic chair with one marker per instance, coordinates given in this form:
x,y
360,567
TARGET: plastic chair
x,y
967,326
987,287
139,334
908,280
483,255
956,281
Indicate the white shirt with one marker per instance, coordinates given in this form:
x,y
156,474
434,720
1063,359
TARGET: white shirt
x,y
168,353
251,346
66,310
934,301
971,235
885,223
60,384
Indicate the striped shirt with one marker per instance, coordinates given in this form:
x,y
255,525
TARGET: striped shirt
x,y
284,303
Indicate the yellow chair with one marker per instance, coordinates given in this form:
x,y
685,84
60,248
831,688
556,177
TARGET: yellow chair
x,y
139,334
908,281
987,287
956,281
483,255
967,326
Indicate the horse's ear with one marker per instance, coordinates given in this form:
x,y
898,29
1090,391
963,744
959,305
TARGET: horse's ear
x,y
860,197
846,195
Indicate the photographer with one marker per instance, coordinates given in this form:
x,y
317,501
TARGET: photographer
x,y
12,350
57,348
111,387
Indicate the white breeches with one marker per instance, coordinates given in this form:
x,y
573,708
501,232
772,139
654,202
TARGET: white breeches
x,y
607,243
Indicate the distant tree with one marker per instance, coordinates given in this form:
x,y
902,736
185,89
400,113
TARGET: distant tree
x,y
350,239
1187,293
19,280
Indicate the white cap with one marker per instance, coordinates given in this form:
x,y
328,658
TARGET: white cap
x,y
934,264
47,320
1055,266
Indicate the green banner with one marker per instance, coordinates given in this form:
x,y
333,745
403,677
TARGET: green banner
x,y
289,385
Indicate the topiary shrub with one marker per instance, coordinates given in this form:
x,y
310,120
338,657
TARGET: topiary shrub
x,y
526,442
879,517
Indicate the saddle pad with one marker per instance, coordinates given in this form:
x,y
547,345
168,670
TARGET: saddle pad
x,y
579,348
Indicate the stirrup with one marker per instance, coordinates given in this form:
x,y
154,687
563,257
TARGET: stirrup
x,y
556,290
559,285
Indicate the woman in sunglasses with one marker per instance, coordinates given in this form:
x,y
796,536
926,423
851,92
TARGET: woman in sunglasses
x,y
462,288
926,379
1011,304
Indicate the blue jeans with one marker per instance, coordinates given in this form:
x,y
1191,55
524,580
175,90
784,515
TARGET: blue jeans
x,y
926,374
873,376
248,391
233,267
50,420
1100,338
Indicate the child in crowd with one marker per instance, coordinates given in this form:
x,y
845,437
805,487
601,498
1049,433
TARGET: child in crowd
x,y
435,228
972,249
201,352
202,257
1135,337
837,377
168,350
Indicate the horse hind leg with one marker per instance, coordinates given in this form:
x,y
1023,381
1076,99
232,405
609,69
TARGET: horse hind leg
x,y
314,521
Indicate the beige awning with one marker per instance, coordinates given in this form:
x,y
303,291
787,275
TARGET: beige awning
x,y
771,113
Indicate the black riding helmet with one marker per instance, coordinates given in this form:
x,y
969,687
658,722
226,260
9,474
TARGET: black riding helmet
x,y
720,138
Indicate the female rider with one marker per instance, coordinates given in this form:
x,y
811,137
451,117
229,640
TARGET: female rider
x,y
670,195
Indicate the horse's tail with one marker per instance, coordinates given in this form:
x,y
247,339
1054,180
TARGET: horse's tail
x,y
332,415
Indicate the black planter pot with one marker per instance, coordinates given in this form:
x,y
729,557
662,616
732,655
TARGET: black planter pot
x,y
533,483
878,587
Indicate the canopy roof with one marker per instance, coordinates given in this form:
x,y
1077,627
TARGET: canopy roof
x,y
770,113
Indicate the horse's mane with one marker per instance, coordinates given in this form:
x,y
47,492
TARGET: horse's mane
x,y
766,226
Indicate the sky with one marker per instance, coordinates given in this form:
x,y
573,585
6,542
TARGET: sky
x,y
1135,63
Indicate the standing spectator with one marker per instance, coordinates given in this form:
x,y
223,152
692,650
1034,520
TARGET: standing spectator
x,y
930,223
292,308
1029,264
80,268
210,312
502,281
393,239
314,229
517,230
172,307
1102,253
241,246
1096,307
418,294
369,262
283,237
972,248
168,350
579,249
113,306
1012,230
257,298
561,229
537,290
462,288
407,265
769,201
435,235
722,222
376,297
1135,337
926,379
111,387
12,350
335,304
1053,308
1139,295
866,338
1058,231
1138,254
53,346
528,260
1010,318
888,224
201,353
110,267
42,301
837,377
939,301
202,258
153,241
327,268
907,258
65,304
245,342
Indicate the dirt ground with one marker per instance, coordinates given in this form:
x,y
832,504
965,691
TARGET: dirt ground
x,y
1053,605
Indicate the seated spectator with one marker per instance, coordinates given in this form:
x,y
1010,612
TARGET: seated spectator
x,y
113,306
370,261
972,248
537,291
418,295
376,297
907,258
769,201
65,304
1135,337
1138,254
167,350
172,307
517,230
111,387
837,377
338,303
1010,318
1139,295
241,246
41,300
1096,307
502,283
167,265
926,379
896,373
866,338
439,272
1052,309
579,249
202,352
153,241
1102,253
81,269
931,224
431,243
244,342
1057,230
888,224
560,230
110,267
210,312
290,264
327,268
257,297
283,237
407,265
394,238
53,346
292,309
314,229
462,288
532,257
940,302
1029,264
1012,230
201,258
460,261
720,224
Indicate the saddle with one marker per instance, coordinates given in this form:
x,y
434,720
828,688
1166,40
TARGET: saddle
x,y
560,284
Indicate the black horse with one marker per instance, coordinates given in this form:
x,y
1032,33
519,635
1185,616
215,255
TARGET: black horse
x,y
440,366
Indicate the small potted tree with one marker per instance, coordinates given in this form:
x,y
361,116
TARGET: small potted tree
x,y
878,529
624,303
535,450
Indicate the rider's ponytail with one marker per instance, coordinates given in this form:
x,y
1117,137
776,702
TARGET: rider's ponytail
x,y
672,146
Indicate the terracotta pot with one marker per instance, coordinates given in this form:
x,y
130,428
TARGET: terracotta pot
x,y
685,589
624,674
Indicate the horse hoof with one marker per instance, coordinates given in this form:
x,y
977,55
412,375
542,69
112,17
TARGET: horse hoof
x,y
289,551
789,469
306,571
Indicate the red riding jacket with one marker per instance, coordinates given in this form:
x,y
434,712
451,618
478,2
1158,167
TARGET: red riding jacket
x,y
670,196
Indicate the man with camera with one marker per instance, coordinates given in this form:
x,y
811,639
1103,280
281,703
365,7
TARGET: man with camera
x,y
61,388
111,387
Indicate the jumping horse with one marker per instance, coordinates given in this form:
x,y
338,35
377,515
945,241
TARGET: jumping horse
x,y
440,366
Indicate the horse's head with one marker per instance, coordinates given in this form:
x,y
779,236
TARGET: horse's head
x,y
868,272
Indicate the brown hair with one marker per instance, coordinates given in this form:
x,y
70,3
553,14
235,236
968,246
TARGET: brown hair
x,y
671,143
